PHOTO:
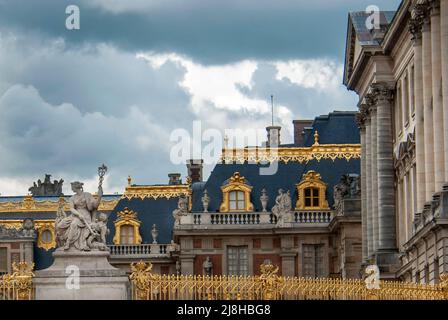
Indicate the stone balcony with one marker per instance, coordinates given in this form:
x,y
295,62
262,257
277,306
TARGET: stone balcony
x,y
257,220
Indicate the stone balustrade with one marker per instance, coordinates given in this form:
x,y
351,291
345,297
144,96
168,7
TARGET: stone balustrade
x,y
252,219
141,250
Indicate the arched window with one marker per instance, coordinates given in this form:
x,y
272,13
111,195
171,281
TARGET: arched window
x,y
236,195
311,192
127,228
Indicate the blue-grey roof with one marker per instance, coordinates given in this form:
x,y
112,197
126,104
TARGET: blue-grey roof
x,y
150,211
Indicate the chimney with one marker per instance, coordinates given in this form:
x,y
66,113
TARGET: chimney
x,y
299,131
174,178
194,169
273,136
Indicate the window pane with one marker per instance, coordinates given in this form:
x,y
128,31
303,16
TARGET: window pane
x,y
315,202
308,192
237,262
307,202
232,205
240,195
46,236
232,195
241,204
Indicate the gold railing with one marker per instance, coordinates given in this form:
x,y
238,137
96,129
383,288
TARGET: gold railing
x,y
19,284
269,286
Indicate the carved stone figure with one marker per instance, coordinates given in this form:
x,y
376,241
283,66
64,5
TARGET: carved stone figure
x,y
182,209
28,228
82,230
205,201
264,200
283,206
154,234
208,267
348,187
47,188
25,231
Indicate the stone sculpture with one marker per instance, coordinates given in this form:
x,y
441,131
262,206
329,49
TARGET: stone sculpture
x,y
83,229
47,188
283,206
264,200
205,201
154,234
208,267
182,209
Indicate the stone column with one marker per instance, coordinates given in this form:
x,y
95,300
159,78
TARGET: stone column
x,y
438,132
427,110
385,167
362,116
374,173
415,27
368,161
444,71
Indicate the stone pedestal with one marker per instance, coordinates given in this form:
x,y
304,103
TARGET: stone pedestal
x,y
98,279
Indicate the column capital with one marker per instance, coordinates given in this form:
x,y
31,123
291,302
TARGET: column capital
x,y
361,116
381,92
419,12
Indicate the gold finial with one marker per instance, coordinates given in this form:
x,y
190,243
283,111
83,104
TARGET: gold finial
x,y
316,137
129,181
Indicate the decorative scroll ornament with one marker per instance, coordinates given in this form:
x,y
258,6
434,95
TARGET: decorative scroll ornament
x,y
156,192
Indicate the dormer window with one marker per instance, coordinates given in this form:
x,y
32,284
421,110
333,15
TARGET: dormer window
x,y
236,195
127,228
311,192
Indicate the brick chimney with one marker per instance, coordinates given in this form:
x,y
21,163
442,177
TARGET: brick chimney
x,y
174,178
299,131
273,136
194,169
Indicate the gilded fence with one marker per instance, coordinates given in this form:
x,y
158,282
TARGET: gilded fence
x,y
269,286
19,284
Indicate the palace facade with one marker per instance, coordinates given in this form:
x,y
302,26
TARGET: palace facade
x,y
400,73
304,217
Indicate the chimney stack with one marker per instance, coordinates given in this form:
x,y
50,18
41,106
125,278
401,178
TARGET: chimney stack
x,y
273,136
194,169
174,179
299,131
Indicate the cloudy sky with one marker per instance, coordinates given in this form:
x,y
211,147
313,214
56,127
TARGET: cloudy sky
x,y
114,90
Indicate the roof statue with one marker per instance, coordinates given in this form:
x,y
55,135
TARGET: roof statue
x,y
47,188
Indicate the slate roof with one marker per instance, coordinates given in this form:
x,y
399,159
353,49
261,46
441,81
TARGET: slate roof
x,y
334,128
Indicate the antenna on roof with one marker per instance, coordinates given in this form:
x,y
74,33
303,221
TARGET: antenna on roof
x,y
272,109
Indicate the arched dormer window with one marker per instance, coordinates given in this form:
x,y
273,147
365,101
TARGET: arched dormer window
x,y
236,195
127,228
311,192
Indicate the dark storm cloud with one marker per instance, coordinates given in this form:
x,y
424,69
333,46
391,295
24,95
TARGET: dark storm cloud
x,y
212,32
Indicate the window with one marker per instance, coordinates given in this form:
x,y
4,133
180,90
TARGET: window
x,y
127,228
436,271
3,260
236,200
313,260
236,195
311,192
127,234
237,261
311,197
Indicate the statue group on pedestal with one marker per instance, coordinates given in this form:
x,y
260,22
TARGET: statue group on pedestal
x,y
85,228
47,188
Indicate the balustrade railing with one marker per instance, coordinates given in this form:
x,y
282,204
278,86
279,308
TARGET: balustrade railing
x,y
235,218
313,216
140,250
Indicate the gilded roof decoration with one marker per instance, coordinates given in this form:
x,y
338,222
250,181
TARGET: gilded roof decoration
x,y
29,204
299,154
156,192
